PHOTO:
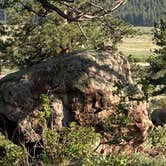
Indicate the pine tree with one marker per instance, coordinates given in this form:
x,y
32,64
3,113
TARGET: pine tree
x,y
158,63
143,12
37,32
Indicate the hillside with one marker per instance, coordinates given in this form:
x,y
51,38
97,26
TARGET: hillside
x,y
143,12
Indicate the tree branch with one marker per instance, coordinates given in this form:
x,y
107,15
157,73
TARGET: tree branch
x,y
29,8
49,7
82,13
82,31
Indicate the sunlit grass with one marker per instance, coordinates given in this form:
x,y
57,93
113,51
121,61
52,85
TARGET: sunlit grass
x,y
8,70
140,46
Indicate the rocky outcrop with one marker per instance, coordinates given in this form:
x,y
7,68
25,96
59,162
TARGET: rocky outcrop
x,y
157,110
158,117
86,87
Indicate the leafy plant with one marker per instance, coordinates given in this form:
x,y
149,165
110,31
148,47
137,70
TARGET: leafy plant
x,y
117,125
46,106
144,159
46,112
10,154
157,63
157,138
98,160
35,34
75,143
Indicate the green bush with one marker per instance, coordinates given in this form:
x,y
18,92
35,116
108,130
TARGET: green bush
x,y
136,159
100,160
142,159
162,103
11,154
157,63
117,123
75,143
157,138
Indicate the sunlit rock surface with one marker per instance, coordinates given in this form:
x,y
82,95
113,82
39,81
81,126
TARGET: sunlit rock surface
x,y
85,87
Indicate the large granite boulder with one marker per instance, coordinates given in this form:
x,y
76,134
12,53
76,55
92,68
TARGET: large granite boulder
x,y
158,117
86,87
157,110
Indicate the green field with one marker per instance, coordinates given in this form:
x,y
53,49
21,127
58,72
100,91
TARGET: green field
x,y
140,46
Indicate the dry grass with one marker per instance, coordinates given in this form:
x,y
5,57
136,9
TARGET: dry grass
x,y
6,71
140,46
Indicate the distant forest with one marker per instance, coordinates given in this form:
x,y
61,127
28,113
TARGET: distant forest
x,y
143,12
136,12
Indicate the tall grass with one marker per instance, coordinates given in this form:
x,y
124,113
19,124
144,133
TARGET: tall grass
x,y
141,46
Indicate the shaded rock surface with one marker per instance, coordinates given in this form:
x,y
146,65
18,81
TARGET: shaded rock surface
x,y
157,112
81,87
158,117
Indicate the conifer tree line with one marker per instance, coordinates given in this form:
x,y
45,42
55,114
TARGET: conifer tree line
x,y
136,12
143,12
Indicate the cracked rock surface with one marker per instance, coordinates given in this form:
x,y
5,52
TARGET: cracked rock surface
x,y
81,87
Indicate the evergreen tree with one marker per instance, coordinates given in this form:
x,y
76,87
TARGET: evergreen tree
x,y
143,12
42,29
158,63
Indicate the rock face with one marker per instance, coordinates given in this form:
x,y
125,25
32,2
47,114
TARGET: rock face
x,y
158,117
85,87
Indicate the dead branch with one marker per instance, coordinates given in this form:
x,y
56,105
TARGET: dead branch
x,y
80,13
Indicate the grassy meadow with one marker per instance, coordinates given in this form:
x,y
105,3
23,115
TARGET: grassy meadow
x,y
140,46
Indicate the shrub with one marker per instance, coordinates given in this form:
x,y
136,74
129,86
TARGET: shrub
x,y
162,103
99,160
142,159
117,123
75,143
10,154
157,138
